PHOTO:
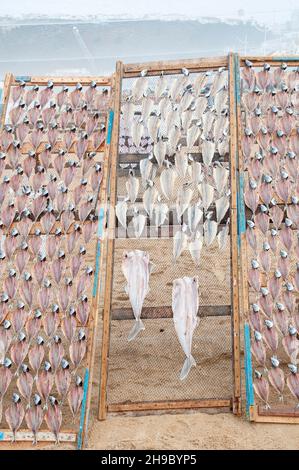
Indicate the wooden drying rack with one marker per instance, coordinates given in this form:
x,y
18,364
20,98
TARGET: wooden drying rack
x,y
281,414
154,69
79,439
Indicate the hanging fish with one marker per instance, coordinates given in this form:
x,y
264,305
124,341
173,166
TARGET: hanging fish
x,y
5,380
14,415
53,417
194,171
222,236
160,149
168,178
210,229
138,221
222,206
121,210
136,268
271,336
194,216
34,417
290,344
147,170
193,134
181,163
132,186
195,247
185,308
220,176
276,377
179,241
261,388
293,381
183,200
149,198
207,194
208,150
75,396
160,212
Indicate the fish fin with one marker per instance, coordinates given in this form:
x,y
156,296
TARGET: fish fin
x,y
189,362
138,326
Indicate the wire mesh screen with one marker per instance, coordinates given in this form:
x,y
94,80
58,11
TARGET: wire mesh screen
x,y
270,152
173,168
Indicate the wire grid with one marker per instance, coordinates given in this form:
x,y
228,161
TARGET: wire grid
x,y
274,400
148,368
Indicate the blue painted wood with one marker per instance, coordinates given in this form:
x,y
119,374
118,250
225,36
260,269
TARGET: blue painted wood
x,y
248,369
23,78
1,436
110,126
83,409
98,250
284,59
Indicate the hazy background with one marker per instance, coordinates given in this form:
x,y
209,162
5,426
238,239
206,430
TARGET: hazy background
x,y
87,37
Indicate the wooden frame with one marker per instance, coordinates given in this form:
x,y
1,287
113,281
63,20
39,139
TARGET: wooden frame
x,y
281,414
169,68
79,439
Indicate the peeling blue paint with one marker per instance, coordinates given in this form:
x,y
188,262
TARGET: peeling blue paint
x,y
83,409
248,369
110,126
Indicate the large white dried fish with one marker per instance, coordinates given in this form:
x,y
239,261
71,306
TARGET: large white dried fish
x,y
220,176
207,123
222,236
136,268
167,180
174,136
177,86
200,107
220,82
194,171
172,119
210,229
147,108
164,107
193,134
153,124
139,88
186,119
207,194
128,109
220,127
132,186
220,101
222,205
137,131
223,147
147,170
149,198
161,86
194,215
183,200
180,241
195,247
181,163
160,213
138,221
160,149
186,101
185,307
208,149
121,209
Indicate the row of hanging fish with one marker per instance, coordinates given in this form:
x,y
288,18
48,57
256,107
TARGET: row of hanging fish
x,y
137,268
45,117
166,111
270,149
48,199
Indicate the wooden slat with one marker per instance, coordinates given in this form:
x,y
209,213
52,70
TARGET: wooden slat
x,y
68,81
272,60
168,405
166,312
98,270
110,243
234,241
5,96
173,67
42,436
280,417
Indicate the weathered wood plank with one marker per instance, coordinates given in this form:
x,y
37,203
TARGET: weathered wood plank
x,y
42,436
173,67
68,81
168,405
166,312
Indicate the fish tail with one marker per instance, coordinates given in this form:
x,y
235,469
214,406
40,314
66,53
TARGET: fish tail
x,y
138,326
189,362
